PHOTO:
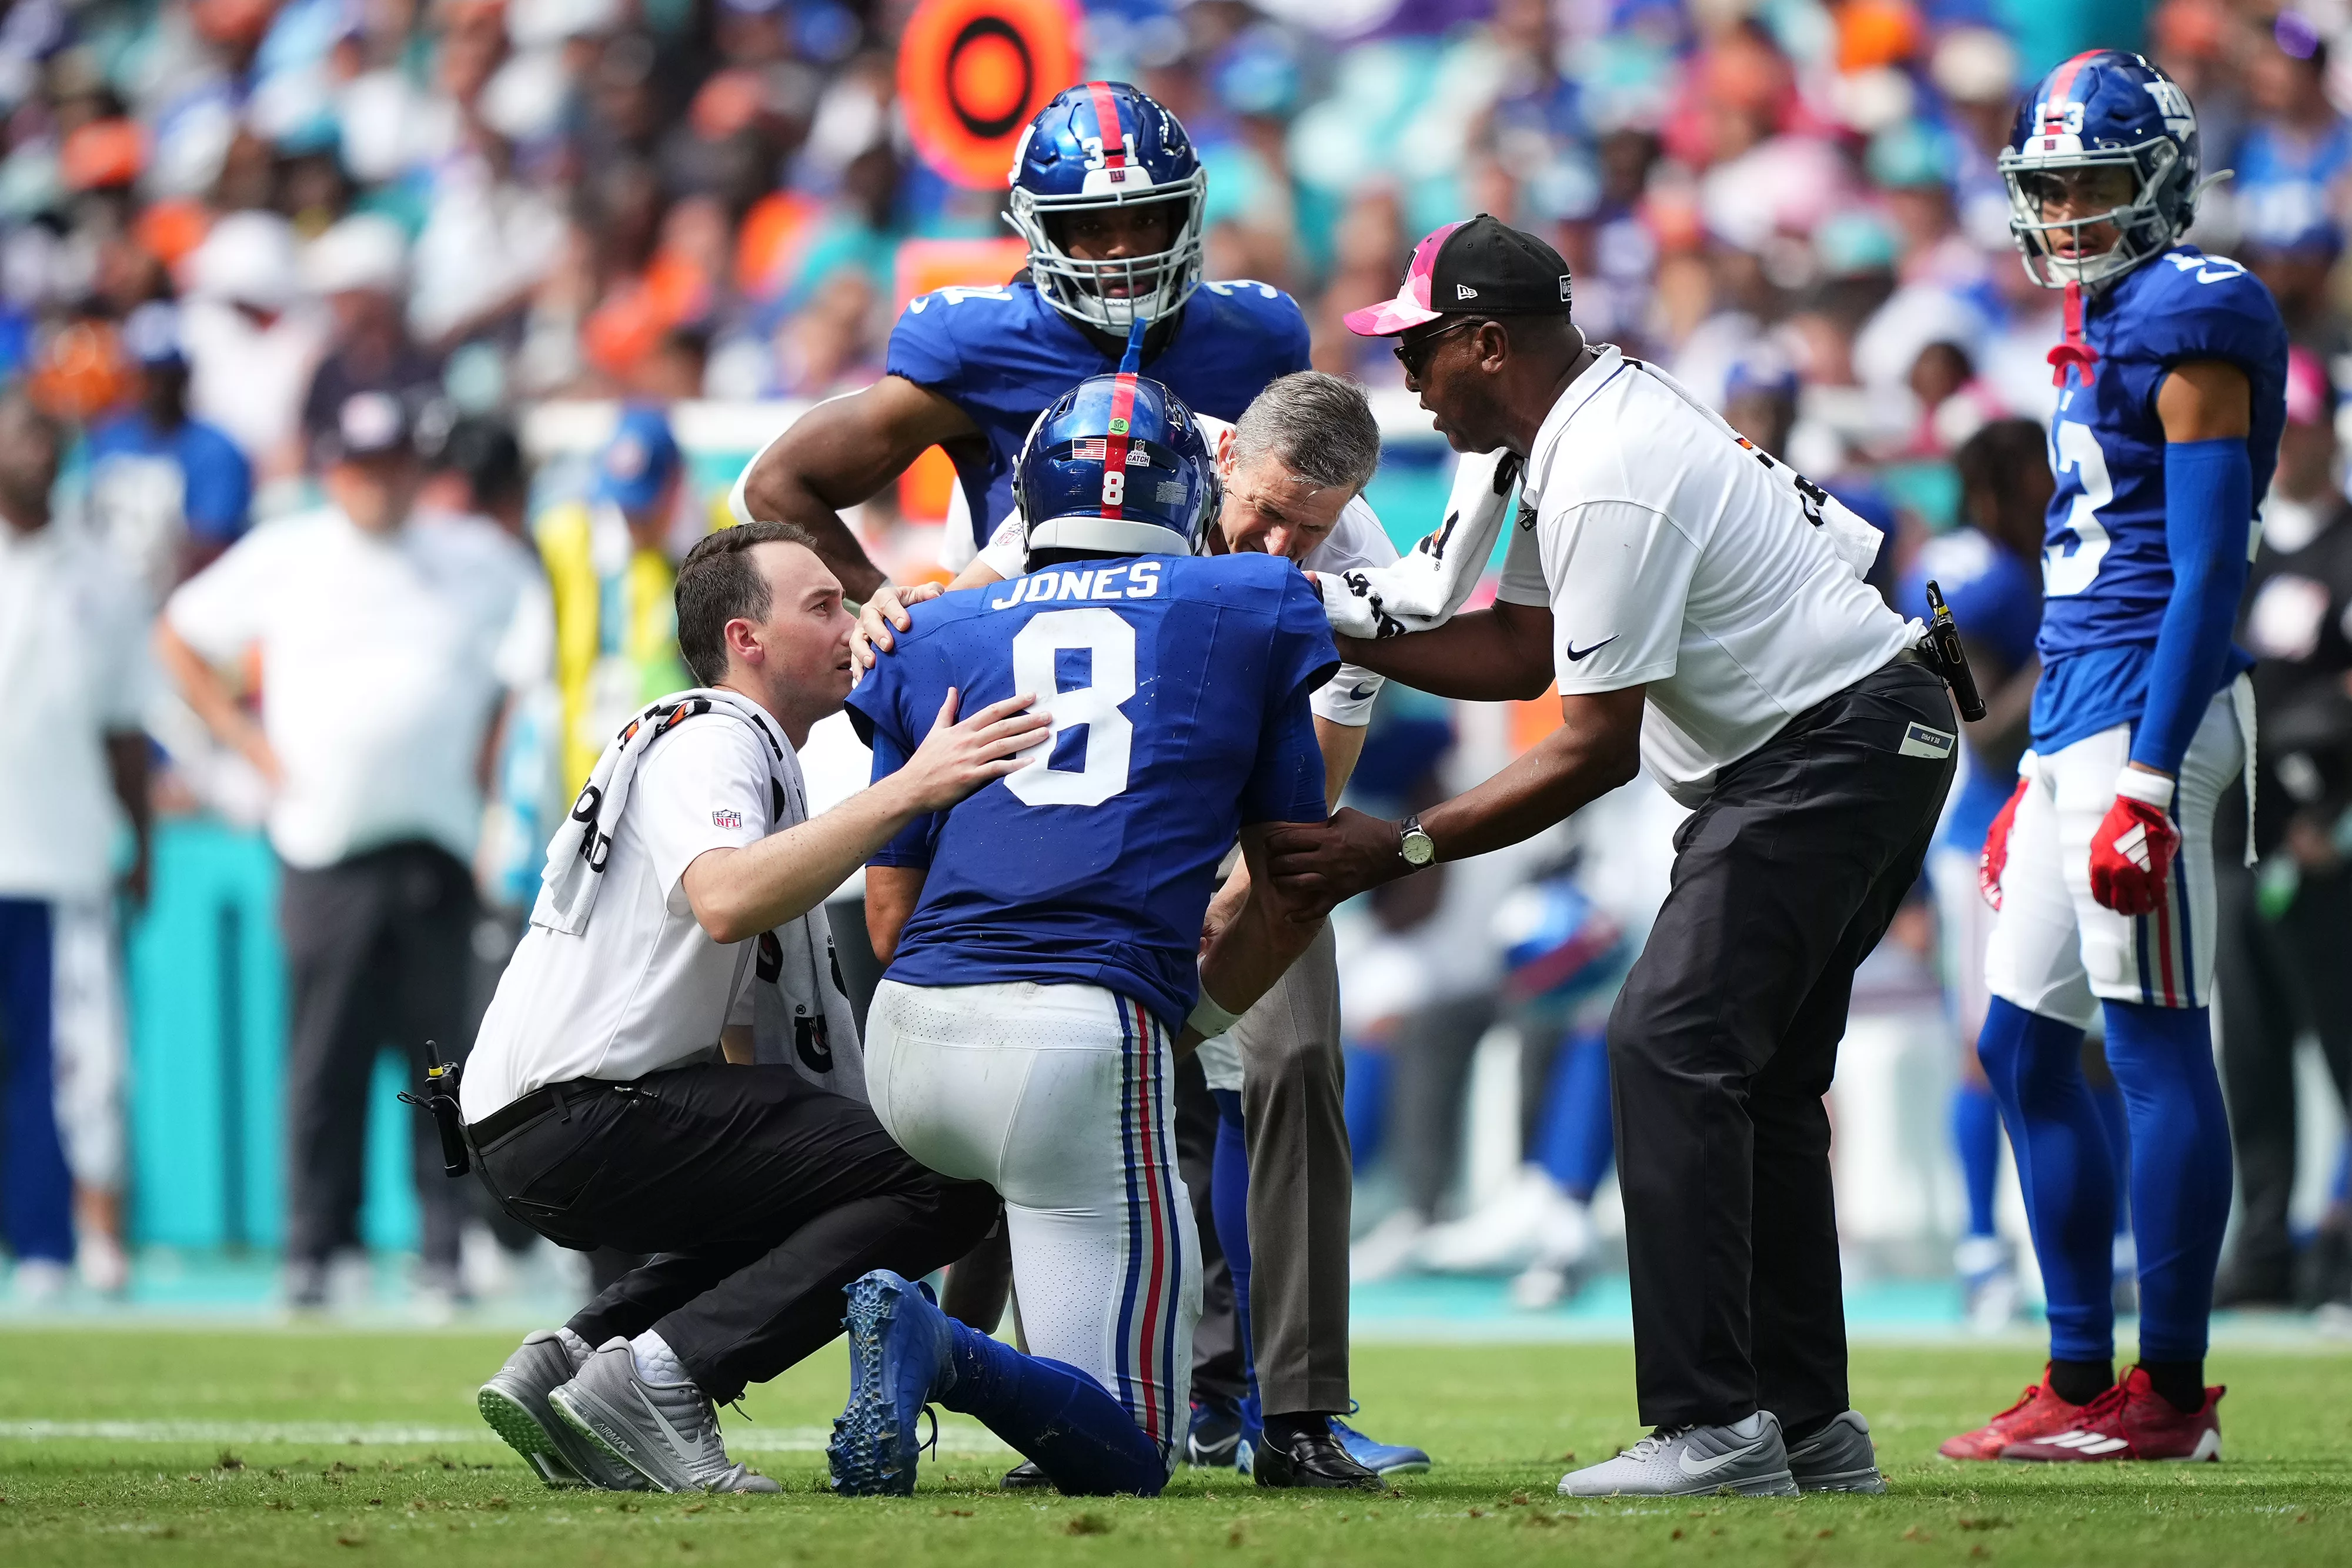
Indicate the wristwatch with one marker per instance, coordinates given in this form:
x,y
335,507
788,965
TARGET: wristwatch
x,y
1415,847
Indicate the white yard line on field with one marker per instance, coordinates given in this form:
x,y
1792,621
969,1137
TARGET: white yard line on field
x,y
955,1436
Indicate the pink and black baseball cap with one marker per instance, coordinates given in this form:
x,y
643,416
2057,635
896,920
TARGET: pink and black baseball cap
x,y
1483,267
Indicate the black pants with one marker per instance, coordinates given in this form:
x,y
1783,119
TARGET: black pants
x,y
1723,1041
380,949
759,1195
2277,976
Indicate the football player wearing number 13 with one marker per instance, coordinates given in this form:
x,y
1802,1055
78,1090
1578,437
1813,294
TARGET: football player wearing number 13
x,y
1041,938
2172,379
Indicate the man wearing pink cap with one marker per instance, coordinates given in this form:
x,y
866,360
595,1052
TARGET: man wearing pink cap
x,y
1702,610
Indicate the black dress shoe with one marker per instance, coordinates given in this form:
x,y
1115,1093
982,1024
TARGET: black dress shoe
x,y
1025,1476
1310,1458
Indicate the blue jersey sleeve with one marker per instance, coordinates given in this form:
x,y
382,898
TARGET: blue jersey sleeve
x,y
1305,656
922,349
875,713
1286,785
2209,308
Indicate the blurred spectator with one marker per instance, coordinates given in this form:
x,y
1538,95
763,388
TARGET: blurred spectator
x,y
360,267
168,493
73,664
386,642
2295,165
2285,929
251,341
608,563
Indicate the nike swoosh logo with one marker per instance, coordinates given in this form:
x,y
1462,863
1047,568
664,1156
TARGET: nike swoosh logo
x,y
1361,693
1708,1466
1575,652
692,1451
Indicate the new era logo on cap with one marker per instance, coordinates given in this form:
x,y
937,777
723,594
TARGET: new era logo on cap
x,y
1507,271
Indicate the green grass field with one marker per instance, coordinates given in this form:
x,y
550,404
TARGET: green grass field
x,y
307,1447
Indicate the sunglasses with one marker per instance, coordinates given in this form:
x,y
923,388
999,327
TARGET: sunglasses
x,y
1414,353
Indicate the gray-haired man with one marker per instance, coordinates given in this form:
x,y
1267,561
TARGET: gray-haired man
x,y
1295,467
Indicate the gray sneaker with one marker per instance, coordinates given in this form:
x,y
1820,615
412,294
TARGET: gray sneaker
x,y
666,1432
1838,1458
514,1405
1746,1458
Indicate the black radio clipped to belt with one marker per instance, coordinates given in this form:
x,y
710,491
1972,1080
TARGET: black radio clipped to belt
x,y
440,1098
1945,656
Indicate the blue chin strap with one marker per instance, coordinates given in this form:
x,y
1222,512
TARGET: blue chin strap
x,y
1131,362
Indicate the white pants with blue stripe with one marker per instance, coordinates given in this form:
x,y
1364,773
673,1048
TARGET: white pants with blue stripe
x,y
2057,951
1062,1099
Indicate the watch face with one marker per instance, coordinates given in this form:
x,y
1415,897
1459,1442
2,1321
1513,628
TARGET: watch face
x,y
1417,847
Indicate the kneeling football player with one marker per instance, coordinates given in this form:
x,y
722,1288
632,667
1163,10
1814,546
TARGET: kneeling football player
x,y
1043,937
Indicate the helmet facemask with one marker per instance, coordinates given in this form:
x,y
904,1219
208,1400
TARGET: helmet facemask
x,y
2142,226
1112,294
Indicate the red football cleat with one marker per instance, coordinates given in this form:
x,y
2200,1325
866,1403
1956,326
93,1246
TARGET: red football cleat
x,y
2037,1413
2131,1421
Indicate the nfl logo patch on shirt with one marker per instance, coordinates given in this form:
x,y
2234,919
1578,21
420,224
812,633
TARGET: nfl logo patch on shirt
x,y
729,818
1921,741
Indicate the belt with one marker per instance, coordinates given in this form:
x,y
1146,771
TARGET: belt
x,y
540,1102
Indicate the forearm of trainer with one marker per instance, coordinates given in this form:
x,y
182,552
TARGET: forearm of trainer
x,y
1596,747
739,893
2207,411
1497,654
842,453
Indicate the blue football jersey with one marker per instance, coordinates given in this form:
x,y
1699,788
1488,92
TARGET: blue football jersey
x,y
1003,354
1998,604
2106,575
1178,689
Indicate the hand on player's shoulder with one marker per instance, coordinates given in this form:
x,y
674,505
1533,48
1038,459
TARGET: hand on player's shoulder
x,y
883,615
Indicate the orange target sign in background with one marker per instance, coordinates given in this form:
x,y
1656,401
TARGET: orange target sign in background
x,y
973,73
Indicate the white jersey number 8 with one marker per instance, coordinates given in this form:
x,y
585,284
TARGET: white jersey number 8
x,y
2064,572
1109,640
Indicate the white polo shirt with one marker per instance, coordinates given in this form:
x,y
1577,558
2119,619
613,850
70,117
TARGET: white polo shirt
x,y
1675,556
382,661
642,987
73,669
1356,540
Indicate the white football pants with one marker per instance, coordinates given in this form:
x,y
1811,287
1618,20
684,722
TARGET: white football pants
x,y
1062,1098
2057,951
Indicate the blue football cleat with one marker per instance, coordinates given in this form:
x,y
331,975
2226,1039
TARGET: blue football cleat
x,y
1214,1436
899,1346
1383,1460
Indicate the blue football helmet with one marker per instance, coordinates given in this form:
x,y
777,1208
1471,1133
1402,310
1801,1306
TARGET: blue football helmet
x,y
2102,107
1116,465
1098,145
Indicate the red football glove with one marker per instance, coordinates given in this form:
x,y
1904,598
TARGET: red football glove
x,y
2131,853
1995,858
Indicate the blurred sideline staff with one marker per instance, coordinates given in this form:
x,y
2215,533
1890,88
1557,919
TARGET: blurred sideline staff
x,y
387,640
74,672
2287,928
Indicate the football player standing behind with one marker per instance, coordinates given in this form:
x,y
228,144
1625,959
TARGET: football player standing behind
x,y
1043,939
1111,198
2172,379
